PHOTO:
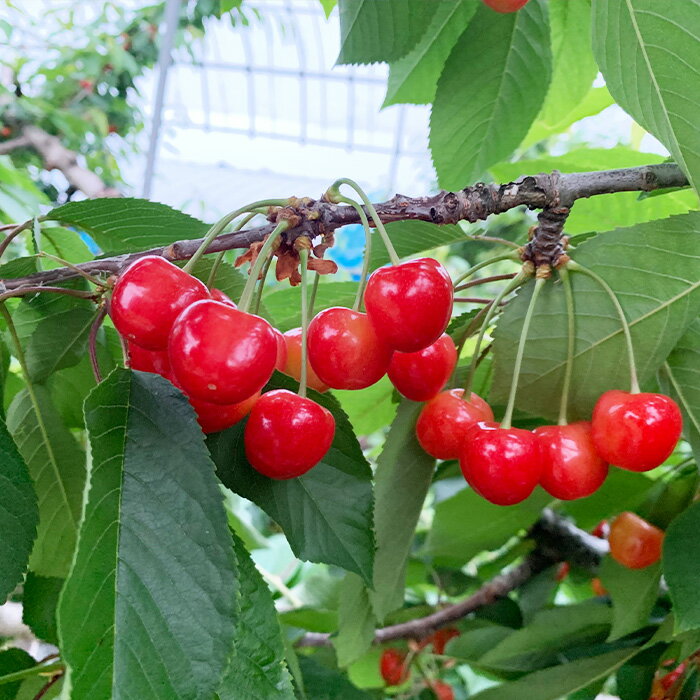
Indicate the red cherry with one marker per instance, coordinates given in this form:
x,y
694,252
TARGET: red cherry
x,y
392,666
441,637
155,361
345,351
601,530
636,431
501,464
571,466
293,364
445,420
286,435
213,417
505,6
86,84
220,354
409,304
5,131
634,542
218,295
597,587
419,376
443,691
148,297
563,571
281,361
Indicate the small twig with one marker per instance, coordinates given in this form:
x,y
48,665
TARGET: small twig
x,y
48,685
40,289
4,245
473,300
92,342
485,280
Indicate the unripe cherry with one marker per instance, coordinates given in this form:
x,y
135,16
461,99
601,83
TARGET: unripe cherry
x,y
281,361
292,365
634,542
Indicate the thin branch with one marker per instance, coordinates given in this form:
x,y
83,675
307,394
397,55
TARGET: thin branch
x,y
13,144
485,280
473,300
318,218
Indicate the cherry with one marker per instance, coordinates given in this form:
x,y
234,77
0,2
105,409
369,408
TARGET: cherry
x,y
443,691
218,295
444,422
501,464
634,542
220,354
420,375
601,530
345,351
292,366
392,666
286,434
441,637
213,417
409,304
563,571
281,361
505,6
636,431
571,466
148,297
597,587
155,361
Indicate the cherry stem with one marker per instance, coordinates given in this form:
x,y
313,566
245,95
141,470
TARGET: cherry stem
x,y
312,297
485,263
485,280
571,340
15,232
75,268
333,190
220,257
517,281
40,289
32,671
634,381
472,300
304,259
92,343
261,283
267,248
508,416
222,223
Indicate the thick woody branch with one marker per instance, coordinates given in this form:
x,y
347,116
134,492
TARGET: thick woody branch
x,y
556,540
551,192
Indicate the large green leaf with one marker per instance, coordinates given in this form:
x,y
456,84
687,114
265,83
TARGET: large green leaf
x,y
125,225
380,31
558,681
404,472
505,60
19,514
148,608
648,53
356,621
466,524
379,396
414,77
57,466
608,210
326,514
11,661
681,565
654,269
256,670
680,377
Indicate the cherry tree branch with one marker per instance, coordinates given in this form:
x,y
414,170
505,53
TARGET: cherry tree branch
x,y
551,192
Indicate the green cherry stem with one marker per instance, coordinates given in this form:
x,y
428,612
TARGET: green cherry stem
x,y
634,381
333,189
495,305
304,259
485,263
265,251
570,342
222,223
261,284
312,297
220,257
508,416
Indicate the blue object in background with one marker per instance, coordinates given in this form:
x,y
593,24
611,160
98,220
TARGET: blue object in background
x,y
89,242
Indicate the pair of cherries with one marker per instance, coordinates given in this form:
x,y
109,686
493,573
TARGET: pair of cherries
x,y
221,358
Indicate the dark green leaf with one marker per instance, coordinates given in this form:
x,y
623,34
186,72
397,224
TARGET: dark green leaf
x,y
39,603
356,621
125,225
659,295
635,677
647,53
154,564
681,566
11,661
476,638
323,683
505,60
325,514
57,466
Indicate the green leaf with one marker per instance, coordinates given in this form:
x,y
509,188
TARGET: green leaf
x,y
660,297
647,53
609,210
257,670
19,267
154,565
414,77
680,378
633,592
379,396
634,678
328,6
11,661
466,524
681,566
19,514
126,225
39,603
554,682
476,638
57,466
356,621
380,31
65,244
323,683
326,514
403,476
505,60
